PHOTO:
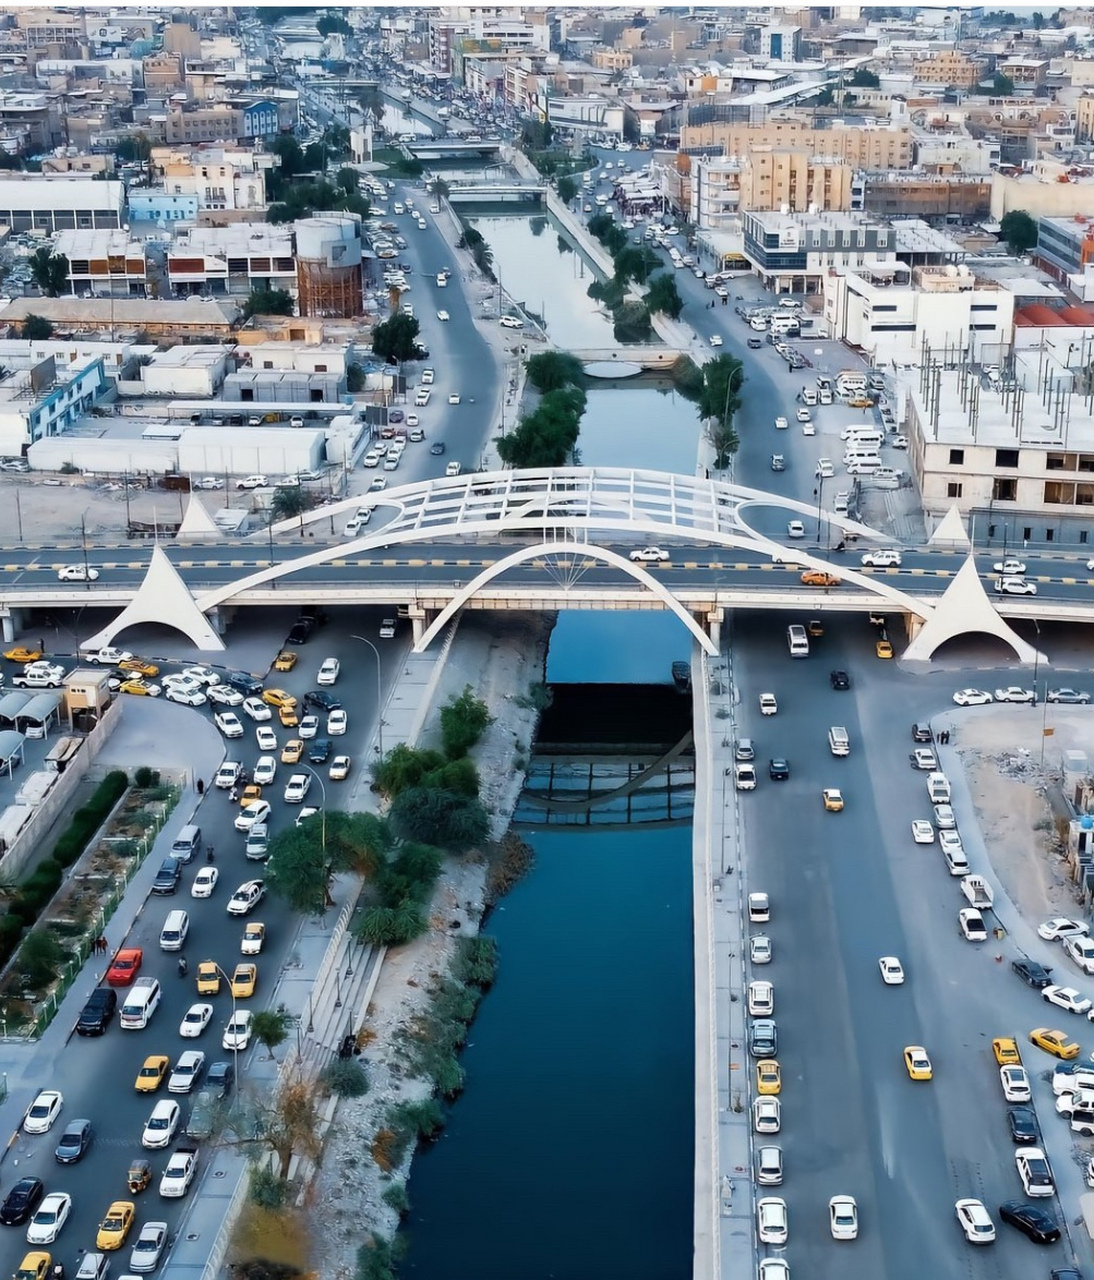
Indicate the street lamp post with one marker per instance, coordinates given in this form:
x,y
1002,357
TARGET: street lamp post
x,y
379,693
235,1039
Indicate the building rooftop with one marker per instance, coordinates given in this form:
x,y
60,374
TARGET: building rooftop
x,y
123,312
236,240
99,242
197,356
49,192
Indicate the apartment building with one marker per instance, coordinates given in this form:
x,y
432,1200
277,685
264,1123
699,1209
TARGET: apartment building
x,y
1065,249
232,260
220,177
1084,119
895,193
104,263
220,122
861,147
950,67
793,180
1028,74
44,401
894,313
41,28
793,253
1047,189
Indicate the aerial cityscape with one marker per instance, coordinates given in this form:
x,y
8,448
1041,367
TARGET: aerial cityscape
x,y
546,585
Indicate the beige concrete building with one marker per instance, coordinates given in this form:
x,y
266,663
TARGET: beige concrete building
x,y
214,123
875,147
1049,190
906,194
1084,119
950,67
774,178
612,59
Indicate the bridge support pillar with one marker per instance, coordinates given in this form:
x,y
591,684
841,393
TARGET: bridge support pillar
x,y
419,620
9,621
714,620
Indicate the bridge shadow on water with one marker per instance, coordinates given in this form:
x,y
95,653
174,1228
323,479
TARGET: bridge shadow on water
x,y
611,755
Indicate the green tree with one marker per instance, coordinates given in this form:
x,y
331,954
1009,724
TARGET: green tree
x,y
723,440
631,322
36,328
464,719
330,23
355,378
404,767
663,295
635,262
452,821
1019,230
719,402
134,149
40,959
348,179
441,189
567,188
864,79
825,98
290,501
371,102
550,370
271,1027
49,271
268,302
396,338
546,437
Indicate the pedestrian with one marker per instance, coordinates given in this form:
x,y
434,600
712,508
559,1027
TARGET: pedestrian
x,y
201,786
41,645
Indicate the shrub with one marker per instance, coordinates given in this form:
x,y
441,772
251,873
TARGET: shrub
x,y
391,926
464,719
395,1197
376,1260
346,1078
146,777
267,1190
450,820
40,958
423,1119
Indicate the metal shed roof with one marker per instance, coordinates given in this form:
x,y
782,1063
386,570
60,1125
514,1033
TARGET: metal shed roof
x,y
11,744
40,707
12,703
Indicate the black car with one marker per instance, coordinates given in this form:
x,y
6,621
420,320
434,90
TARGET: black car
x,y
437,448
243,682
1023,1124
921,731
74,1142
95,1016
754,344
319,750
1033,1221
301,631
168,876
1033,973
763,1038
839,680
219,1079
779,769
22,1201
322,699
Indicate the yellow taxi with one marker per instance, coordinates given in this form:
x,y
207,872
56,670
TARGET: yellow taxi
x,y
1058,1043
917,1064
819,578
251,792
769,1078
150,1076
292,751
288,717
286,660
139,667
208,978
139,689
35,1266
21,653
883,648
244,980
833,799
1006,1052
116,1225
278,698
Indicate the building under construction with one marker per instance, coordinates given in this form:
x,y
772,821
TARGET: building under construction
x,y
328,265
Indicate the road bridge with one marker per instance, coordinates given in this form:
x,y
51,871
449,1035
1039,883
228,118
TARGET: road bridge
x,y
496,193
486,150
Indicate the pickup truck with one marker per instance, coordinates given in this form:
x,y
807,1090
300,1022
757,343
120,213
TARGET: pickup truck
x,y
108,657
978,892
179,1173
40,678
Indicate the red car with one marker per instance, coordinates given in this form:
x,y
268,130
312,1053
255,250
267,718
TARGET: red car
x,y
125,967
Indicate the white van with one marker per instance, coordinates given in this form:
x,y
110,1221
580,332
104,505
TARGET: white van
x,y
141,1002
863,466
174,931
838,741
862,431
785,324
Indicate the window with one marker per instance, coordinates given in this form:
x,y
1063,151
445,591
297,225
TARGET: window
x,y
1027,533
1050,534
953,490
957,457
1006,457
1004,490
1082,537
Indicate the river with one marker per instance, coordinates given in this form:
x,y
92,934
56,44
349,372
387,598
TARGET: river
x,y
570,1153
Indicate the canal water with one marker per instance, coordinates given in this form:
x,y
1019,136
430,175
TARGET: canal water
x,y
569,1155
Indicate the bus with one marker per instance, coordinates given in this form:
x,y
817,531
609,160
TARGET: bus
x,y
797,641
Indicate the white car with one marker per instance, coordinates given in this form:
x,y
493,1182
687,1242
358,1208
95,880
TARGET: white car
x,y
265,771
944,818
77,573
229,724
772,1220
371,459
650,555
209,482
768,705
249,894
228,774
258,710
224,695
186,694
454,398
759,949
1015,693
1010,568
337,723
922,831
377,483
766,1115
160,1126
1015,587
803,415
808,429
443,315
972,697
297,788
266,738
195,1020
892,971
950,842
43,1111
204,883
774,1269
843,1218
187,1070
975,1221
826,469
1015,1084
761,999
387,629
148,1247
237,1034
1060,927
971,924
1065,998
329,671
795,529
203,675
1081,949
781,424
253,482
308,727
52,1214
882,559
258,811
511,322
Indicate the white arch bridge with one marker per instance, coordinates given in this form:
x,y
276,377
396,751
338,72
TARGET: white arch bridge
x,y
546,527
